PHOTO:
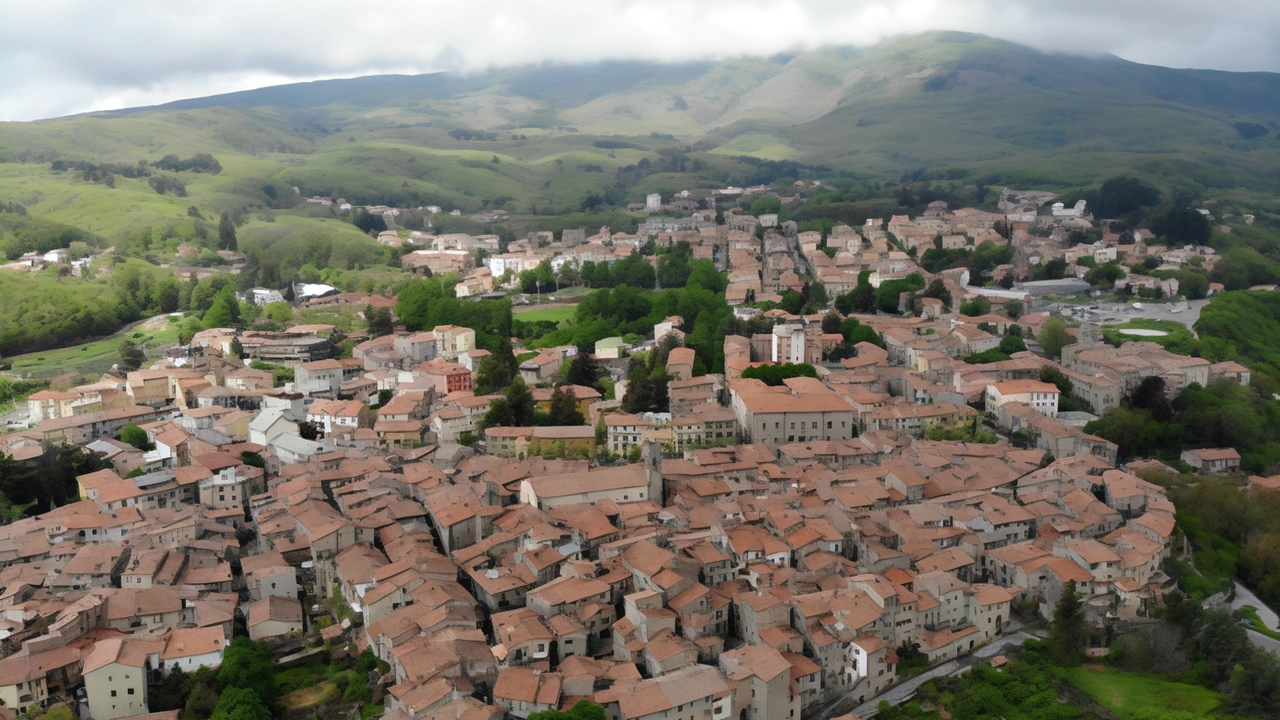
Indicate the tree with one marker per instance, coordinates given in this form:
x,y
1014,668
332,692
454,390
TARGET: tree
x,y
201,702
1182,225
1013,308
975,307
227,233
10,512
583,370
1011,344
249,664
776,374
1054,337
380,321
1067,636
131,356
793,302
673,270
498,415
1152,395
225,311
831,323
368,222
493,374
520,399
938,289
634,271
240,704
816,300
135,436
1051,374
564,408
703,274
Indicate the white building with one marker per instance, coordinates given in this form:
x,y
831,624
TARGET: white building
x,y
1040,395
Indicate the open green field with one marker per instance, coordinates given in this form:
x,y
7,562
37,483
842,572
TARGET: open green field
x,y
96,357
765,147
1126,693
550,315
1177,337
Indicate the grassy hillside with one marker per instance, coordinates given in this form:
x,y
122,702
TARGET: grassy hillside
x,y
947,104
938,116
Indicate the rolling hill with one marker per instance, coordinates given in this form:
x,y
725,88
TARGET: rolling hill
x,y
943,104
560,146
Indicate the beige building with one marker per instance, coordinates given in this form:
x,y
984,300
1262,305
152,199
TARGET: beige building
x,y
115,677
274,616
626,484
776,418
1040,395
22,684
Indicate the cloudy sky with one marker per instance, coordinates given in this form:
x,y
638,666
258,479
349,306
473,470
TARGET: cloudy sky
x,y
69,56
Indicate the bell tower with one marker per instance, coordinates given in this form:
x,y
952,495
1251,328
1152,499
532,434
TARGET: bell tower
x,y
651,456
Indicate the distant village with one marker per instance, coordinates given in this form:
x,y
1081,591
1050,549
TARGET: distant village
x,y
769,553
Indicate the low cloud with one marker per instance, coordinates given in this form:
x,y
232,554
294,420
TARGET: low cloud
x,y
68,56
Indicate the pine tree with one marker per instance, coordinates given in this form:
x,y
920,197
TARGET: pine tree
x,y
521,401
583,370
227,233
1067,636
564,408
131,356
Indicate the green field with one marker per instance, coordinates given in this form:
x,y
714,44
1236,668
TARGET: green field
x,y
94,358
551,315
1126,693
765,147
1178,340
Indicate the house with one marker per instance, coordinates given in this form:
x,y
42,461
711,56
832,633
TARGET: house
x,y
321,377
612,348
1212,460
1040,395
626,484
525,690
115,677
190,648
274,616
775,418
22,683
680,363
540,367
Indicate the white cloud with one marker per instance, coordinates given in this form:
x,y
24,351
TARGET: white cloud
x,y
66,56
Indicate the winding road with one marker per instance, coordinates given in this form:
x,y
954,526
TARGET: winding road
x,y
903,691
1245,597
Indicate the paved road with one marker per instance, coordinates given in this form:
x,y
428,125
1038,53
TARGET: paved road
x,y
903,691
1264,642
1245,597
1117,313
1269,618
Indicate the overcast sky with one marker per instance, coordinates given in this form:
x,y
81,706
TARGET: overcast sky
x,y
67,56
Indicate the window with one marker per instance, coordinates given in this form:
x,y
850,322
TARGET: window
x,y
793,426
828,424
113,693
815,425
130,691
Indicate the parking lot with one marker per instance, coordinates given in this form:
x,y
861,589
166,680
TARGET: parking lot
x,y
1112,313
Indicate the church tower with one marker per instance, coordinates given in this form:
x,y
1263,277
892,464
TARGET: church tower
x,y
651,456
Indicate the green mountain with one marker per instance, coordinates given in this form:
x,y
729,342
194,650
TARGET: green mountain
x,y
943,105
559,147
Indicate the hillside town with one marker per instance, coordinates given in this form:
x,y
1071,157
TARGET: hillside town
x,y
757,551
